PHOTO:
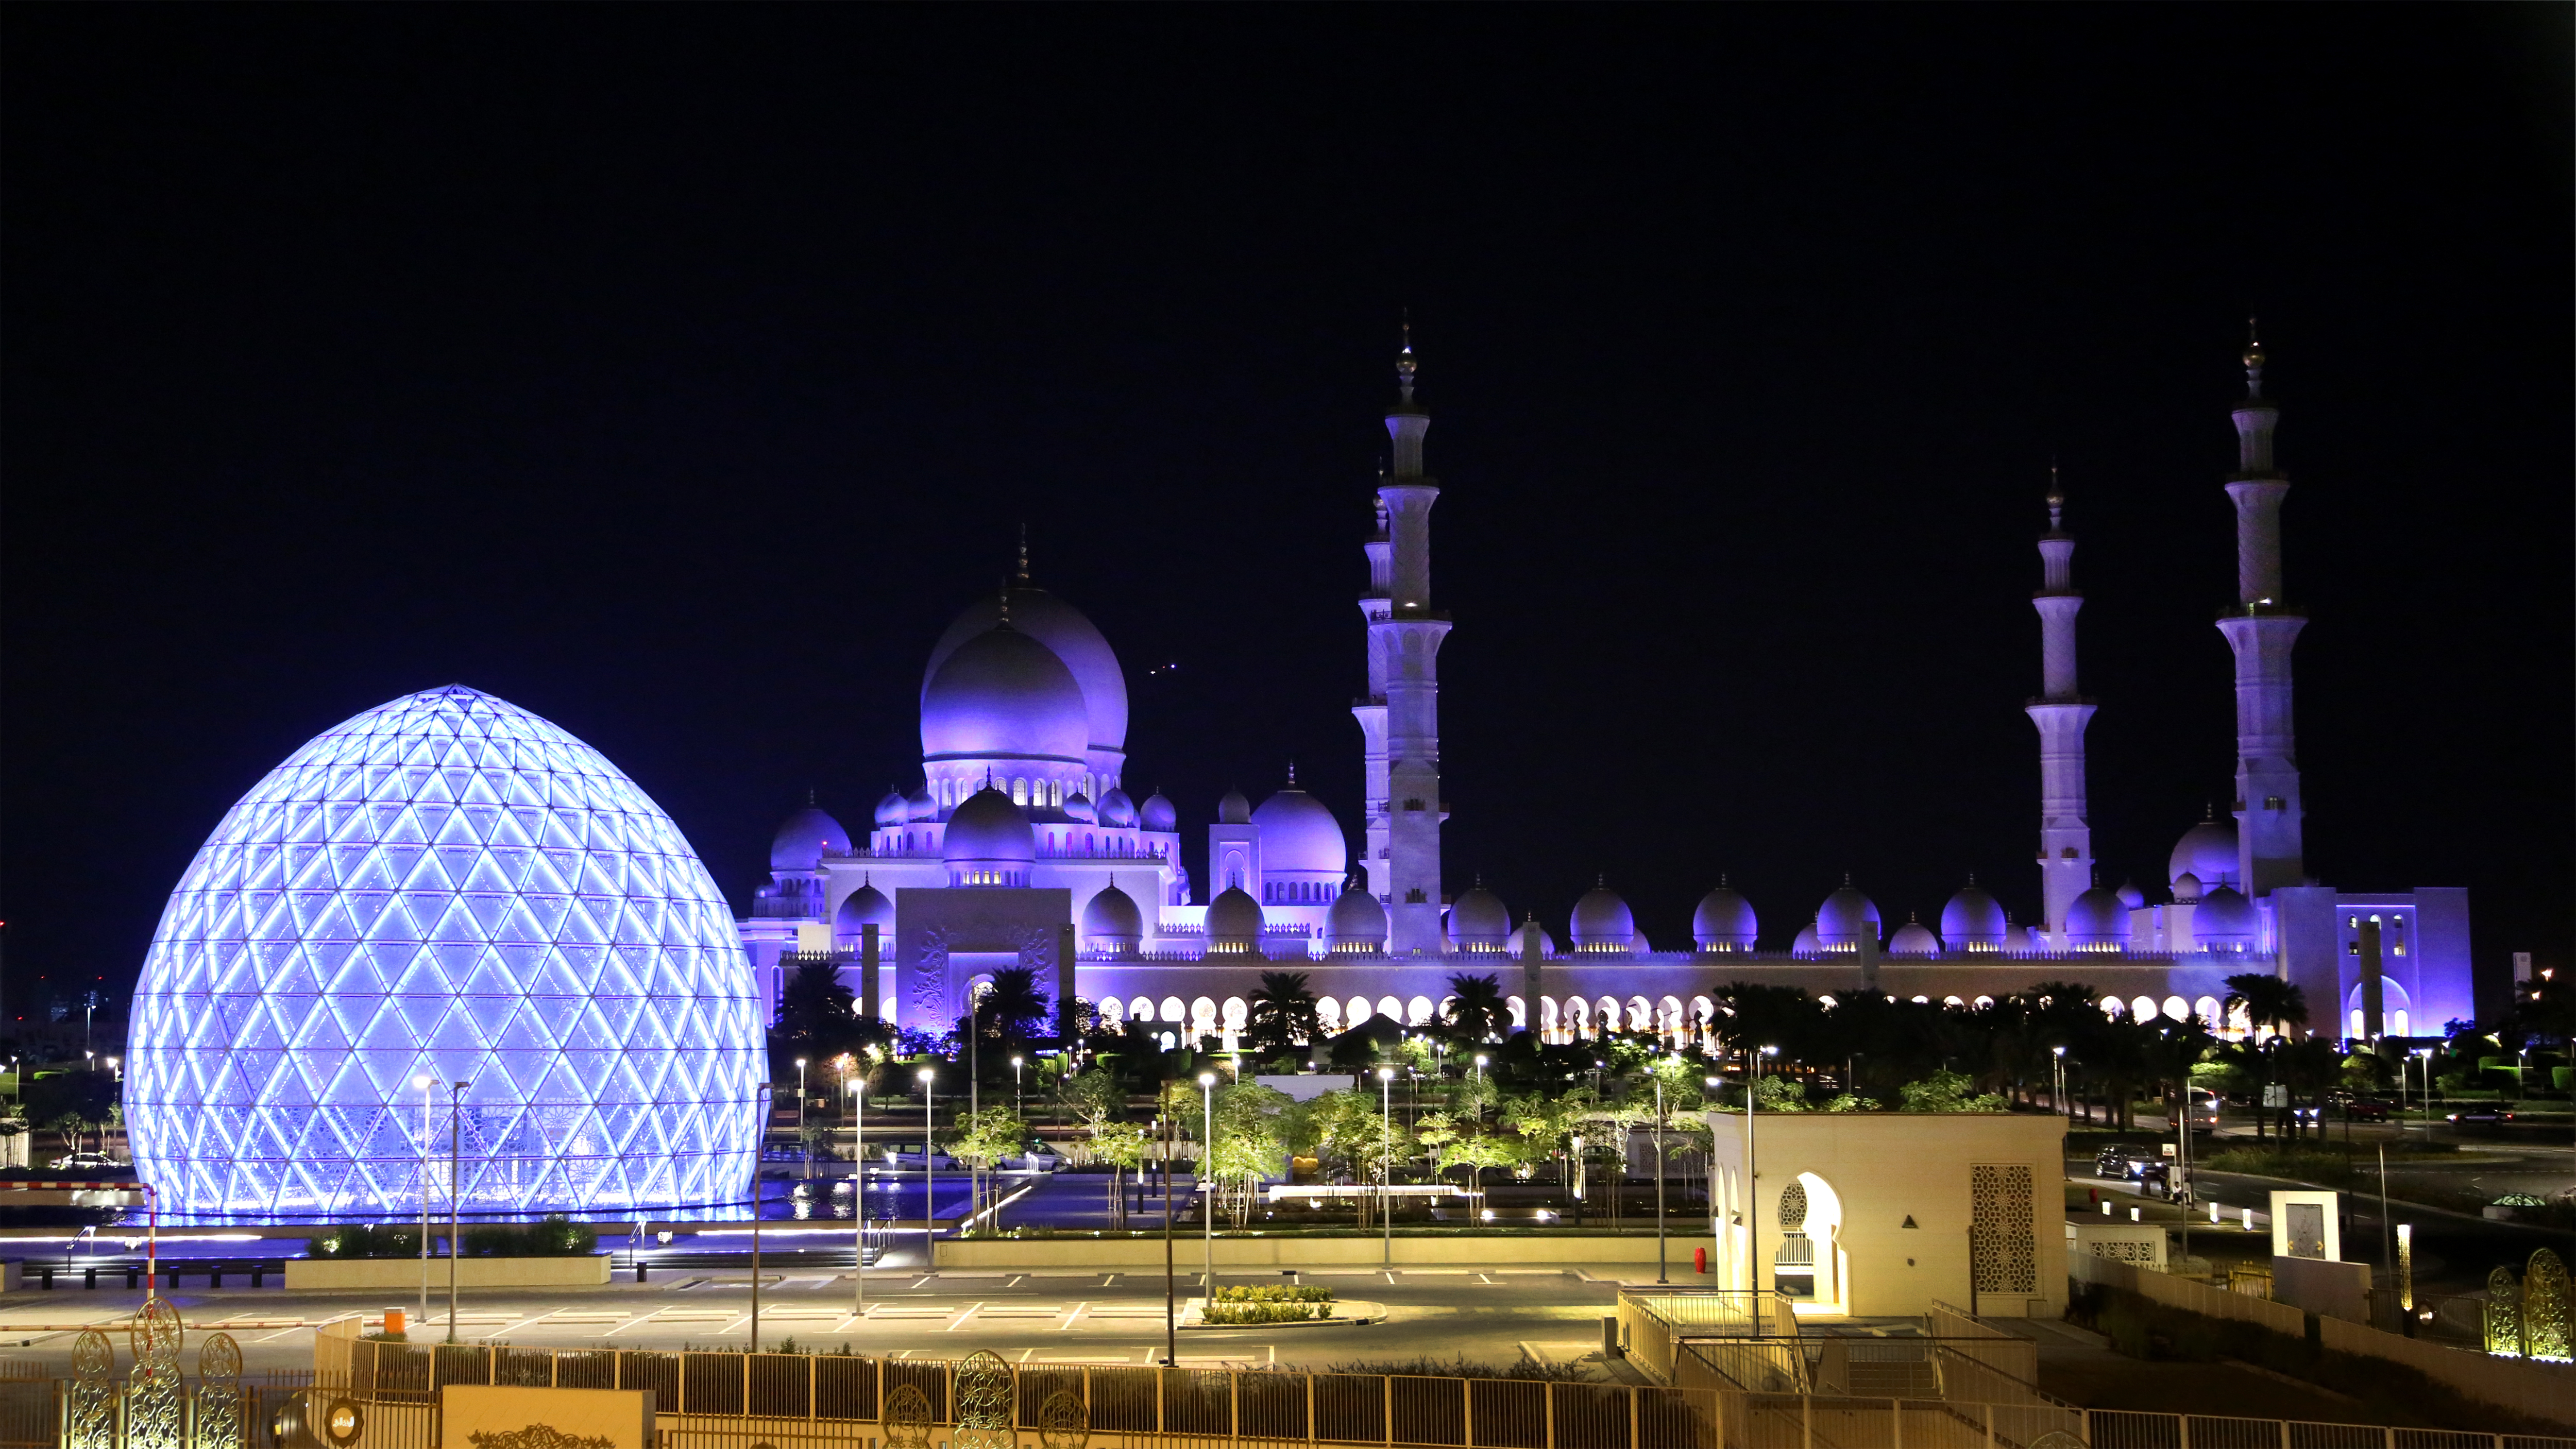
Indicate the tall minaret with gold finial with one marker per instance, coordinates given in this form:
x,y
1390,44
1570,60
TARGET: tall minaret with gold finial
x,y
2065,836
1400,718
2262,628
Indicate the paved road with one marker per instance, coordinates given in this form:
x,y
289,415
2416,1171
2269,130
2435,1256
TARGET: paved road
x,y
1067,1317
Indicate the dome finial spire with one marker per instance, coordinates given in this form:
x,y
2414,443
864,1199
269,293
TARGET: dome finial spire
x,y
1292,774
1006,603
1024,554
1404,360
2253,359
2056,499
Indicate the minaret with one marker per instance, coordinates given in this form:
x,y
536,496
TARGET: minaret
x,y
1400,718
2261,628
2065,840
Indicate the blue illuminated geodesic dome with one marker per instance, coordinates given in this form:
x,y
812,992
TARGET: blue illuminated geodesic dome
x,y
445,886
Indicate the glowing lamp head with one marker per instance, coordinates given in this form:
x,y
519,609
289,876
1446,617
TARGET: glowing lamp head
x,y
1015,1061
1386,1074
924,1075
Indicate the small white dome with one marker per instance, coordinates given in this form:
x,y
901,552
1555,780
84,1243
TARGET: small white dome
x,y
2130,895
1914,939
1531,940
1724,921
1299,834
2016,939
1478,921
891,810
804,838
1805,942
866,906
2207,851
918,806
1116,808
1603,922
2097,921
1157,814
2186,889
2223,921
1973,920
1356,922
1111,922
1233,921
1077,807
1233,809
1843,917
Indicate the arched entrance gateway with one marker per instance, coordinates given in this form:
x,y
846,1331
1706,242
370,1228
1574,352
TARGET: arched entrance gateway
x,y
1809,1265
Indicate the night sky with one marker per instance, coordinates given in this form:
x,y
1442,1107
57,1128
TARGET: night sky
x,y
676,373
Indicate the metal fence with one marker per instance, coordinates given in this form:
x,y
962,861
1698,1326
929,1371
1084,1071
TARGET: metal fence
x,y
1813,1421
1228,1404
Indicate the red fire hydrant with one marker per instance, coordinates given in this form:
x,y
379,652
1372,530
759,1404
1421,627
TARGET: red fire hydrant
x,y
1699,1258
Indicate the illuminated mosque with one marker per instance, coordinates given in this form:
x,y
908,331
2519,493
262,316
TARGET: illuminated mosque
x,y
1023,846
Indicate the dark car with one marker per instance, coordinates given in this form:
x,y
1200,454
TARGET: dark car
x,y
2366,1109
2111,1162
2479,1114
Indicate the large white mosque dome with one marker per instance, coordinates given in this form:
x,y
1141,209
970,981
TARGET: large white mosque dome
x,y
1603,922
1233,921
2223,921
1973,920
2207,851
1724,921
861,908
1112,923
1843,917
1300,836
1478,921
804,838
1003,695
1356,923
2097,921
1071,637
445,885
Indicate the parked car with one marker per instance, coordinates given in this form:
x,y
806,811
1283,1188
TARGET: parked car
x,y
2112,1162
89,1162
2365,1109
1036,1157
2479,1114
907,1155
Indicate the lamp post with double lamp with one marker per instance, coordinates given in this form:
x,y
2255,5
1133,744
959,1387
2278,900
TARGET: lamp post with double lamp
x,y
1386,1156
929,1259
1207,1175
801,1147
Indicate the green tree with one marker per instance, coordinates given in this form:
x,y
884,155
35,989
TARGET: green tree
x,y
1283,1011
1948,1091
817,1015
982,1139
1010,1006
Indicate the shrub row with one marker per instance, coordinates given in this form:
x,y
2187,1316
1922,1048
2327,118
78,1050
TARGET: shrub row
x,y
554,1236
1272,1293
1224,1312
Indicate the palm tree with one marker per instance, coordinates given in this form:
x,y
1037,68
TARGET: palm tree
x,y
2268,1001
1478,1011
1283,1010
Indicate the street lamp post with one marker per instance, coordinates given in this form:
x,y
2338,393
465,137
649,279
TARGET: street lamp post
x,y
1207,1176
801,1148
424,1081
1386,1156
859,1197
929,1259
1752,1188
1660,1274
768,1102
1017,1106
455,1194
2057,1080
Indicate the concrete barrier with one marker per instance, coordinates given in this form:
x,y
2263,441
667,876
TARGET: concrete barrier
x,y
322,1275
1299,1252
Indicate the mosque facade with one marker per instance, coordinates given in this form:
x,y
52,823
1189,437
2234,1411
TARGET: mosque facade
x,y
1022,845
